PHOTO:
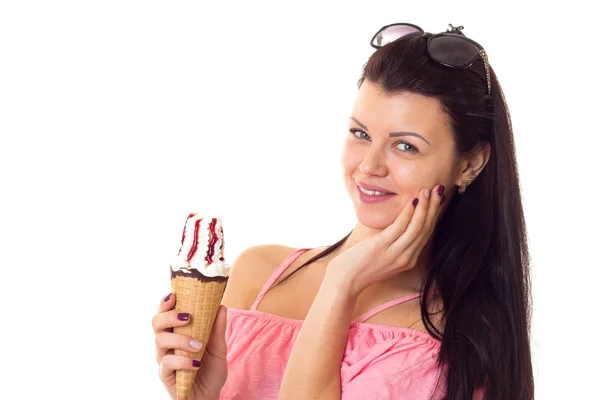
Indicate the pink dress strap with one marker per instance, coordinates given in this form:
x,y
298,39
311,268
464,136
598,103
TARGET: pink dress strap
x,y
385,306
276,274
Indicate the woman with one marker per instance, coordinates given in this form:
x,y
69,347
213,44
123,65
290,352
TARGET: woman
x,y
437,262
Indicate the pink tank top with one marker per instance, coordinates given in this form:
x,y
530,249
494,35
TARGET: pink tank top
x,y
380,361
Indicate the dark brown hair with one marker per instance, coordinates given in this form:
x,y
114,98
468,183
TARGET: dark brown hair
x,y
480,260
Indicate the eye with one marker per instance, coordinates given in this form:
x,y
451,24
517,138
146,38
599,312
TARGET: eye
x,y
408,148
354,131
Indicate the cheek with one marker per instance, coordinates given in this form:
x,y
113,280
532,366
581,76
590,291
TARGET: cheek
x,y
408,174
408,178
414,176
351,159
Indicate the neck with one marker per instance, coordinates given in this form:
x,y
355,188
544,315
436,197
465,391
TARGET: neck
x,y
409,281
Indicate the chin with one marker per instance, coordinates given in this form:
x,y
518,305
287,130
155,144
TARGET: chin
x,y
370,216
374,220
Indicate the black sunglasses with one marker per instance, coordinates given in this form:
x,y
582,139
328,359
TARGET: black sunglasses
x,y
451,48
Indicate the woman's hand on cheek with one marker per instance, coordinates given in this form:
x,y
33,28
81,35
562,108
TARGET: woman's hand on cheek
x,y
391,251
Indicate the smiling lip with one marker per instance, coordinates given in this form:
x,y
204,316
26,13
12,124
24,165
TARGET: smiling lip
x,y
373,187
368,199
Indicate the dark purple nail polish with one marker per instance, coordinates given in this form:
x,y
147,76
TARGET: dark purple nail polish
x,y
183,316
168,297
441,190
443,199
415,201
196,363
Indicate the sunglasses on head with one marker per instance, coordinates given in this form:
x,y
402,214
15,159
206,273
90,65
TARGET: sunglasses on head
x,y
451,48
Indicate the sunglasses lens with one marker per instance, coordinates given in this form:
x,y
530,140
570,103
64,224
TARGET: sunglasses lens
x,y
392,33
452,50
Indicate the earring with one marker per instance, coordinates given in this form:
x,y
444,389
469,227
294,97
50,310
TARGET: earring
x,y
464,184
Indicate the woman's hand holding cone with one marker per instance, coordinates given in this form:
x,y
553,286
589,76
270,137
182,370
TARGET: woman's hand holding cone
x,y
212,371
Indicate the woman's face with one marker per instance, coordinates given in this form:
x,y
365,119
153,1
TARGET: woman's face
x,y
401,143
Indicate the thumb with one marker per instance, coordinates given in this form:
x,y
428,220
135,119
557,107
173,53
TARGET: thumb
x,y
217,342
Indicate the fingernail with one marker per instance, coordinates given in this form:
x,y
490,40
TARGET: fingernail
x,y
196,344
196,363
443,199
426,193
183,316
415,201
440,190
168,297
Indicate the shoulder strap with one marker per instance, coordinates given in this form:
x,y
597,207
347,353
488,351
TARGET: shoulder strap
x,y
276,274
392,303
385,306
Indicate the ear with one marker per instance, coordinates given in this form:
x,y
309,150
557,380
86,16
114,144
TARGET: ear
x,y
473,163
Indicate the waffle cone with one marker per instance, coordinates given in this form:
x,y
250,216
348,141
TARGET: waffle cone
x,y
201,300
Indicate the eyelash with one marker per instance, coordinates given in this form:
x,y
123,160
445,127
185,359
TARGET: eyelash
x,y
416,150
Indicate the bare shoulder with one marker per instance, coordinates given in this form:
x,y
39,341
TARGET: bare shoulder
x,y
250,271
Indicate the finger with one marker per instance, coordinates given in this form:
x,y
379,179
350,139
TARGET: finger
x,y
431,217
166,341
392,232
166,303
171,362
414,226
432,212
160,353
170,319
435,207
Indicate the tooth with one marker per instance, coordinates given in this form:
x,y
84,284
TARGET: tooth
x,y
371,193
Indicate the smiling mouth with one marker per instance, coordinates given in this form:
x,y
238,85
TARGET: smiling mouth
x,y
372,192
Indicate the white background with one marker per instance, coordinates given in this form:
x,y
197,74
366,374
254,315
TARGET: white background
x,y
117,118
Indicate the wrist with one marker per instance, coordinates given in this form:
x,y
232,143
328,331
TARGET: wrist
x,y
341,282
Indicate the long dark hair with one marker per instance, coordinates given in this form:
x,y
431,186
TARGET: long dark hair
x,y
479,258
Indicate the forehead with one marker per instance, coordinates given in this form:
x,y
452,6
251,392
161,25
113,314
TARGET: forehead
x,y
402,110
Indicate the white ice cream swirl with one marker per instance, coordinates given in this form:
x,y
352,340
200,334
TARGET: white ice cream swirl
x,y
198,259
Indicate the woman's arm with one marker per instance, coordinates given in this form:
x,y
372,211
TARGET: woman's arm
x,y
313,370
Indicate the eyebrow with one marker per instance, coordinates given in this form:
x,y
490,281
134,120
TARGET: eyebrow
x,y
392,134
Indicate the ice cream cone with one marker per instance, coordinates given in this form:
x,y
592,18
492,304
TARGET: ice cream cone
x,y
199,276
201,299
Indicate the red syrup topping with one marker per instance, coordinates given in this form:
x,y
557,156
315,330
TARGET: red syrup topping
x,y
195,244
183,233
211,244
222,243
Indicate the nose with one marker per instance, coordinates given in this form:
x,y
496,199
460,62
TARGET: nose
x,y
373,163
